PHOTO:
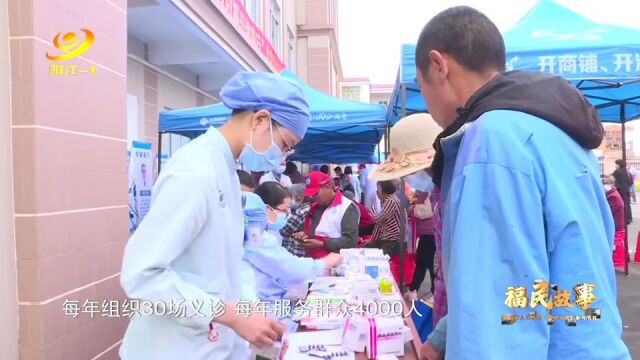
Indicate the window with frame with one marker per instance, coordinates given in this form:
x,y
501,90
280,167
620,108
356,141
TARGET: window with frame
x,y
253,10
275,27
291,62
351,93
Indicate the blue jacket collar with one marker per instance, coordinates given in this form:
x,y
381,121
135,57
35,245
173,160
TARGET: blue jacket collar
x,y
450,146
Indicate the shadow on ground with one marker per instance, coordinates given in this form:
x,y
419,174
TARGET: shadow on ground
x,y
629,304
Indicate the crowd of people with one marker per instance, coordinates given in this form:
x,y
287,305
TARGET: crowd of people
x,y
499,181
325,215
620,190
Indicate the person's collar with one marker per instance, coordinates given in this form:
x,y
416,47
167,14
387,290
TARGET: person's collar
x,y
222,143
337,199
388,197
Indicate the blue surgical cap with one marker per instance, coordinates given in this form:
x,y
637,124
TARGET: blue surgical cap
x,y
255,210
265,91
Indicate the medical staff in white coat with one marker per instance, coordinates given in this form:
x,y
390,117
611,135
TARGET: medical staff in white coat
x,y
276,268
188,250
277,175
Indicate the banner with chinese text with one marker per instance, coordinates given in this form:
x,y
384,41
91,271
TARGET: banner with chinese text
x,y
608,63
140,181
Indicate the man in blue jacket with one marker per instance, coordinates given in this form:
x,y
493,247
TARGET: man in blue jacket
x,y
522,202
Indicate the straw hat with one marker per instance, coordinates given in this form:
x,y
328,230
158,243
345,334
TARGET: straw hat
x,y
411,147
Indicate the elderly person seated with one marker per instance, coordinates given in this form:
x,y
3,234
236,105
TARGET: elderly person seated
x,y
332,223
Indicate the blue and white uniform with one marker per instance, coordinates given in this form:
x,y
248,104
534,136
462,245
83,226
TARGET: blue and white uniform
x,y
275,267
188,248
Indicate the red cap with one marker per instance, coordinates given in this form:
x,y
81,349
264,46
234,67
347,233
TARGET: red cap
x,y
315,181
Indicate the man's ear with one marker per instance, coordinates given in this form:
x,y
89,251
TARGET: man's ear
x,y
439,64
260,118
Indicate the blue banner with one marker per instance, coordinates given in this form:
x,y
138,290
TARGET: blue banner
x,y
140,182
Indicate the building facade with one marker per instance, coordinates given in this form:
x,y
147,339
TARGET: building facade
x,y
611,148
356,89
185,65
381,93
317,54
361,89
68,116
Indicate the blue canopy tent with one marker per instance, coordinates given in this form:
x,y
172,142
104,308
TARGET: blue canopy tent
x,y
340,132
405,98
601,60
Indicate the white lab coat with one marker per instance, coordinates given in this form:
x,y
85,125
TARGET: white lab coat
x,y
284,179
188,248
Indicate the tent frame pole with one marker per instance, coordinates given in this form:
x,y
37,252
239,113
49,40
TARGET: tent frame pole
x,y
159,151
404,100
624,161
403,214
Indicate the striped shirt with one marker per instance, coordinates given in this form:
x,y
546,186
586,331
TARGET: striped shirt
x,y
388,220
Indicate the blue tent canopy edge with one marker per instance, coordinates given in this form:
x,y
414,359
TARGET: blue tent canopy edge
x,y
341,131
602,60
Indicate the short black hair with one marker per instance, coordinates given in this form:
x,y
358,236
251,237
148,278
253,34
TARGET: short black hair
x,y
272,193
324,169
348,170
290,168
387,187
235,112
467,35
337,168
246,179
620,162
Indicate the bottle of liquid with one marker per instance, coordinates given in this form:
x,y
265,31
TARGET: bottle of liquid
x,y
386,288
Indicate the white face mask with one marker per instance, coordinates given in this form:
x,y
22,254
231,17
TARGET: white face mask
x,y
265,161
607,188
